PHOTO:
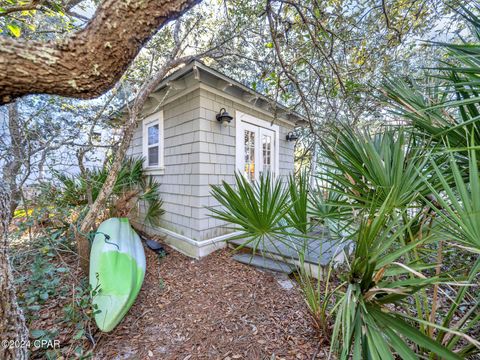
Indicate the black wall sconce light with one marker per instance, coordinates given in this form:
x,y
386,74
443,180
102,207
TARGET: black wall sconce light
x,y
223,117
291,136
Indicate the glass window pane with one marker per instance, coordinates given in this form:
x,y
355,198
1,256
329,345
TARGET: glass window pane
x,y
153,156
249,155
267,153
153,134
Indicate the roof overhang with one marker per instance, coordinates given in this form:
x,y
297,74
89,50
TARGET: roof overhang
x,y
205,74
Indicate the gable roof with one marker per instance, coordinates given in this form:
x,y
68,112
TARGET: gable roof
x,y
204,73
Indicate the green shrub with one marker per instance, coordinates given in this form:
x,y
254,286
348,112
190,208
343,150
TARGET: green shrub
x,y
131,187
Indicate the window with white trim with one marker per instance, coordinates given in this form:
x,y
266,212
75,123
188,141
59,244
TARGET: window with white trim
x,y
153,142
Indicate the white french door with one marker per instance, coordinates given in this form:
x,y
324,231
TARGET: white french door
x,y
258,150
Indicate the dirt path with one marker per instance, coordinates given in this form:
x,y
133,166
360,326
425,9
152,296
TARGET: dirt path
x,y
214,308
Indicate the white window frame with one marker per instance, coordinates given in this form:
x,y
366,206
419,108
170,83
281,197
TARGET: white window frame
x,y
149,121
245,121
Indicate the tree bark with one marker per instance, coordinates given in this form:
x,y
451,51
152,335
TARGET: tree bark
x,y
89,62
12,166
13,331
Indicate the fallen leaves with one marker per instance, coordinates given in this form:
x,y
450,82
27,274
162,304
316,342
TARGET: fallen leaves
x,y
213,308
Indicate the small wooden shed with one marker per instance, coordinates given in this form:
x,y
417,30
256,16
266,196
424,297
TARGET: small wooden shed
x,y
187,149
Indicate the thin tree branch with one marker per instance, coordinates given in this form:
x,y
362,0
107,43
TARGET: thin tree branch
x,y
34,5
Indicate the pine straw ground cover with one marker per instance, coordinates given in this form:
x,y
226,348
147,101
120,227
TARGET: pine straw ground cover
x,y
213,308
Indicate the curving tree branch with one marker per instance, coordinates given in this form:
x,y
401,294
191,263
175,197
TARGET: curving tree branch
x,y
89,62
33,5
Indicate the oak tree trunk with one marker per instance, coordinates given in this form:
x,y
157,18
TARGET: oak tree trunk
x,y
13,331
89,62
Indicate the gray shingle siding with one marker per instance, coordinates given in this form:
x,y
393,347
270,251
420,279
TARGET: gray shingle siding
x,y
198,152
180,123
221,153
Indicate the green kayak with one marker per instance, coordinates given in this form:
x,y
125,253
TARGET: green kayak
x,y
117,269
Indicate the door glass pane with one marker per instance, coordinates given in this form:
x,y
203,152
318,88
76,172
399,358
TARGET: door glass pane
x,y
267,153
153,135
249,142
153,156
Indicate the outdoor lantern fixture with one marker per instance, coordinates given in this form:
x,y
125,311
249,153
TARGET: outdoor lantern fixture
x,y
291,136
223,117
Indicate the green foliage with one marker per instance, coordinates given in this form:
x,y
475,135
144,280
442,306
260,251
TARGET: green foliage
x,y
73,188
457,207
365,325
374,184
373,315
38,20
46,336
43,288
79,313
331,52
297,215
329,208
369,168
458,204
132,186
14,30
255,208
382,275
40,283
446,106
318,295
151,195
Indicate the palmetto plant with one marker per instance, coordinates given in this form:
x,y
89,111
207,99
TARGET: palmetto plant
x,y
445,108
370,322
131,187
373,315
449,112
318,294
380,278
298,189
401,193
424,106
457,205
331,209
368,168
257,209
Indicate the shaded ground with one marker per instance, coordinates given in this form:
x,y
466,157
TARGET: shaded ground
x,y
214,308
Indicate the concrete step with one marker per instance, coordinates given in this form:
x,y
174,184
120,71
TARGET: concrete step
x,y
264,263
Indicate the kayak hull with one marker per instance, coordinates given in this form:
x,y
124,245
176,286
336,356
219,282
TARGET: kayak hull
x,y
117,270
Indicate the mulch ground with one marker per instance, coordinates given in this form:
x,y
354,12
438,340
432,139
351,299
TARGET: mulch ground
x,y
213,308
